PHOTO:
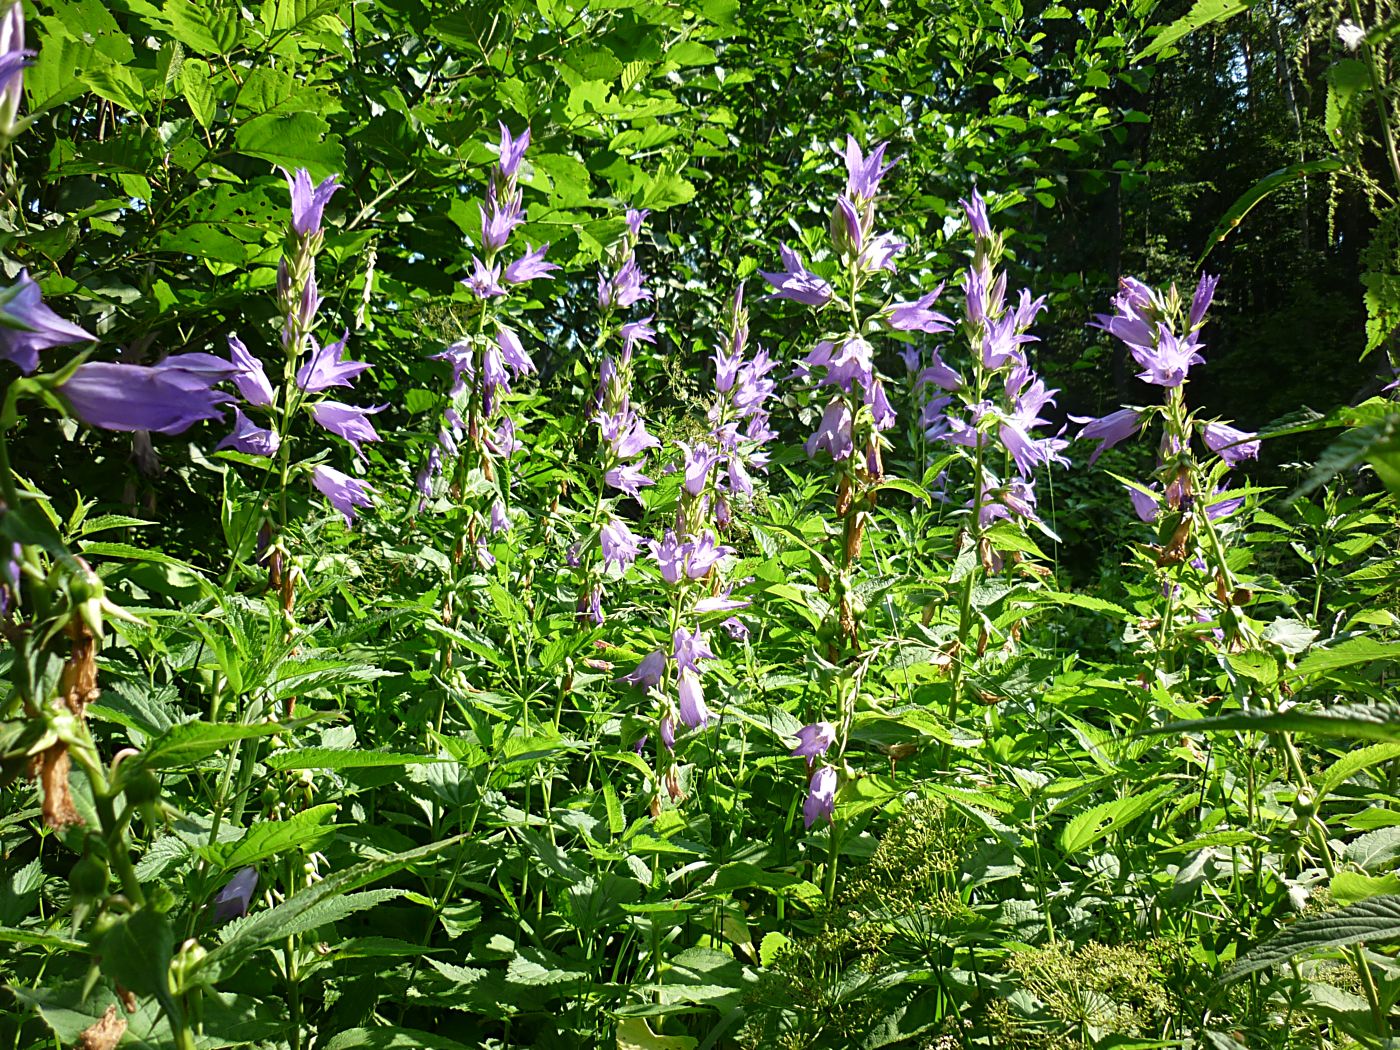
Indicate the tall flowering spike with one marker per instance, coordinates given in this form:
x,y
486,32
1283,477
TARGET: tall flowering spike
x,y
134,397
344,492
328,366
308,201
797,282
864,172
13,58
27,326
512,151
820,803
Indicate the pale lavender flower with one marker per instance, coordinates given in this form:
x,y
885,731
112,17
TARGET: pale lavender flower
x,y
308,202
634,332
797,282
1167,363
820,803
484,558
620,545
698,462
512,151
668,732
670,557
879,253
347,421
485,281
736,629
233,900
635,218
1232,445
976,211
134,397
880,410
512,352
624,288
327,367
1146,505
939,374
530,266
593,604
814,740
1108,430
833,433
251,380
703,554
691,697
498,220
13,59
846,231
28,326
248,437
500,520
344,492
648,673
1201,300
919,315
1221,507
864,171
688,648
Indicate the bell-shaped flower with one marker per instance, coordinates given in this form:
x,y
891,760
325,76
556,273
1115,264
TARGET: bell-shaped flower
x,y
485,281
251,380
13,59
628,478
670,557
347,421
688,648
623,288
1230,444
820,803
797,282
620,545
308,202
512,151
690,696
28,326
1108,430
698,462
919,315
833,433
648,673
977,220
814,740
327,367
344,492
529,267
864,171
500,519
233,900
250,438
134,397
703,554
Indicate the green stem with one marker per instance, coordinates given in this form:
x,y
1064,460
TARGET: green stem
x,y
1382,106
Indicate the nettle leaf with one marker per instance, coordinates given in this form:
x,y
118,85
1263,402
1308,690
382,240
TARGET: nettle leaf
x,y
343,758
1375,919
306,831
209,28
1105,818
192,742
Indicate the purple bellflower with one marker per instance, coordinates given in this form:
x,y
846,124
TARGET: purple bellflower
x,y
308,202
1108,430
797,282
13,59
1232,445
691,700
530,266
620,545
648,673
512,151
233,901
344,492
251,379
28,326
814,740
864,171
328,367
248,437
820,803
347,421
134,397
